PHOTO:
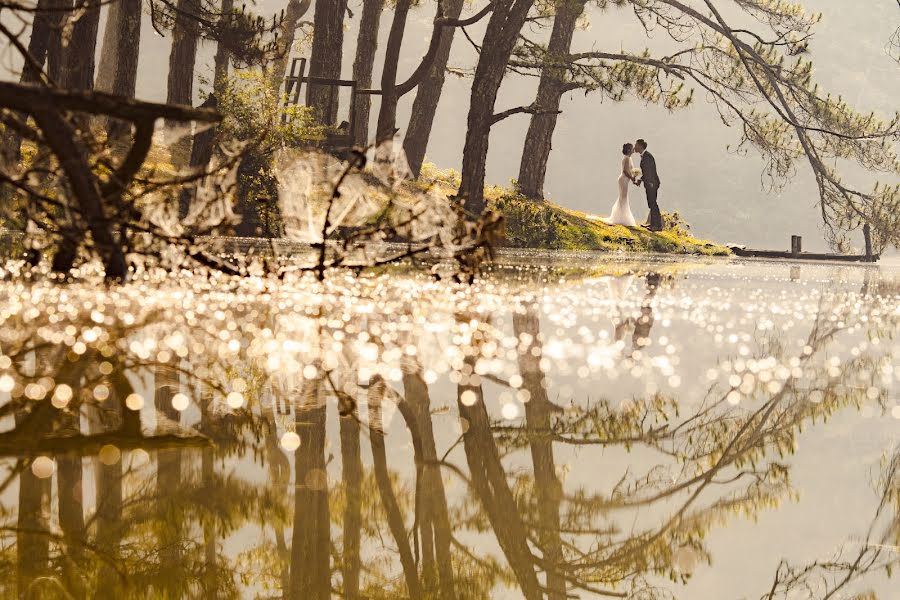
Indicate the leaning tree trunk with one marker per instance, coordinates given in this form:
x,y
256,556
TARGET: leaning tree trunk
x,y
109,59
536,153
387,114
82,49
292,15
182,58
502,32
325,60
429,94
363,65
125,80
44,29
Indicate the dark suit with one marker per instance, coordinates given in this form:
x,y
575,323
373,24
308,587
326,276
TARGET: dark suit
x,y
650,178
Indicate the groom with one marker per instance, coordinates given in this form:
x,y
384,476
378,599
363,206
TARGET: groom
x,y
650,179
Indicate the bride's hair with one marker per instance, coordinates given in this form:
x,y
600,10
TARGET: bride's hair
x,y
627,149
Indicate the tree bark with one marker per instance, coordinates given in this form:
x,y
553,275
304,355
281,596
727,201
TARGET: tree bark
x,y
325,60
125,80
538,141
223,56
55,51
73,159
44,27
106,70
292,15
387,114
182,58
502,32
363,65
82,50
429,94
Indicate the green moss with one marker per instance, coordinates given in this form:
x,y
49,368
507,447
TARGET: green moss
x,y
532,224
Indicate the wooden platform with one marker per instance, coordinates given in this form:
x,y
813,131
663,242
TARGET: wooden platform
x,y
750,253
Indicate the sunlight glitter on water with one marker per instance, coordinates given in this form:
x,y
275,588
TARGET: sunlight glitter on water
x,y
708,390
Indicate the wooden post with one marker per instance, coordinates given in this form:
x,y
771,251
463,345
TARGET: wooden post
x,y
796,246
867,234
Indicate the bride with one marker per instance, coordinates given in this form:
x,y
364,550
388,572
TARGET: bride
x,y
621,211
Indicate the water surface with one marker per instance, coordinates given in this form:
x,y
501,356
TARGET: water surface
x,y
575,425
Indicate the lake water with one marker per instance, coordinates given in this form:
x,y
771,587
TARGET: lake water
x,y
571,425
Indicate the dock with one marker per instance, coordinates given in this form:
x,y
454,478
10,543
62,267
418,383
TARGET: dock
x,y
796,252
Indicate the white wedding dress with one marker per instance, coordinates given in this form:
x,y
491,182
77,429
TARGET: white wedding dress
x,y
621,210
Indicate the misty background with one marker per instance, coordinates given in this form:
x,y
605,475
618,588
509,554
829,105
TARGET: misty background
x,y
722,193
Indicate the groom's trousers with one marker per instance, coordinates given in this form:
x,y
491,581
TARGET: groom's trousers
x,y
655,219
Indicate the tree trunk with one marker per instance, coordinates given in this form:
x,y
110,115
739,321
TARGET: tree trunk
x,y
363,65
387,115
536,153
223,56
106,70
547,487
45,26
55,51
292,15
503,29
310,549
182,57
125,79
82,50
429,94
352,474
325,60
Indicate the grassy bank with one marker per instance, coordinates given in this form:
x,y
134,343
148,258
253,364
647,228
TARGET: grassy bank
x,y
547,225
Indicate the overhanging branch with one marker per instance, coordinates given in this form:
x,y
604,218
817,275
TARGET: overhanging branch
x,y
29,98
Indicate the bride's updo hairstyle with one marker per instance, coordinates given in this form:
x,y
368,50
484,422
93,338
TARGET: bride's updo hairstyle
x,y
627,149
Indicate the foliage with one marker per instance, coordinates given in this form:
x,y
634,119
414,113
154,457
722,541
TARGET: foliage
x,y
254,112
761,83
249,39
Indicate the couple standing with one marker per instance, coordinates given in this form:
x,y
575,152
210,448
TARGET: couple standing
x,y
647,175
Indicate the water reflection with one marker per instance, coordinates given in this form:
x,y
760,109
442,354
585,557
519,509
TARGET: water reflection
x,y
624,430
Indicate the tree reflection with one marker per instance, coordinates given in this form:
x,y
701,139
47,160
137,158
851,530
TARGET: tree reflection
x,y
567,495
